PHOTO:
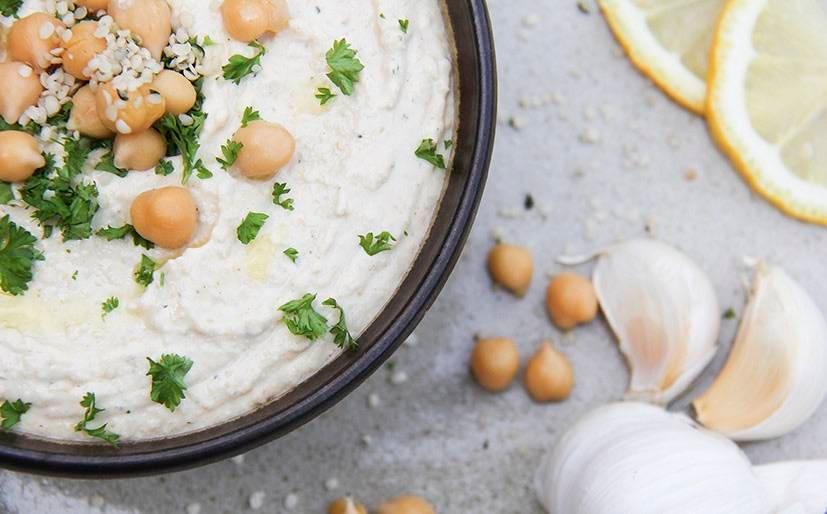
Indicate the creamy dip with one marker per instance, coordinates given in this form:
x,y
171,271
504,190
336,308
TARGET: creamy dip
x,y
216,301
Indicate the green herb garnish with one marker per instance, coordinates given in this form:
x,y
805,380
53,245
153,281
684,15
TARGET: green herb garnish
x,y
11,412
252,223
88,416
344,66
10,7
341,335
324,95
144,273
113,233
107,164
109,305
164,168
729,314
168,379
239,66
427,151
6,194
376,244
17,257
291,254
230,154
403,24
302,319
280,189
249,116
184,139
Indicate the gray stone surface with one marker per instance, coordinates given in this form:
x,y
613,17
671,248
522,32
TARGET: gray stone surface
x,y
605,156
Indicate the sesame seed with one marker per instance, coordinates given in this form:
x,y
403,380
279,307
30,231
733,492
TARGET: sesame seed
x,y
291,501
257,500
46,30
122,127
185,119
24,71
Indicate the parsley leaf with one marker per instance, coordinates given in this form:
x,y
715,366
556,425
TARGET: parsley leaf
x,y
109,305
344,66
144,273
239,66
10,7
249,116
291,254
280,189
302,319
230,152
403,24
340,332
427,151
324,95
252,223
164,168
112,233
376,244
107,164
11,412
6,194
88,416
168,379
184,138
17,257
449,143
207,41
201,171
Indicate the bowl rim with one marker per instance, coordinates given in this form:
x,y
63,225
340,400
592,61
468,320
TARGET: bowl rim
x,y
312,405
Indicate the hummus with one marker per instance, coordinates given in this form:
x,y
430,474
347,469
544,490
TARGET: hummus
x,y
216,300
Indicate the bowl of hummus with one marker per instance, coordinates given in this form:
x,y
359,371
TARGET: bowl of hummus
x,y
219,217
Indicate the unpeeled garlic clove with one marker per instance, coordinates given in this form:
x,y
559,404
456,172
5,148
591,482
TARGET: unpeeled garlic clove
x,y
664,312
638,458
774,378
795,487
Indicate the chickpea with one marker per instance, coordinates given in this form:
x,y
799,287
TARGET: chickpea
x,y
494,363
511,267
136,113
84,116
20,88
166,216
151,20
178,92
81,48
33,38
140,151
267,148
571,300
19,156
549,376
346,505
246,20
93,5
406,505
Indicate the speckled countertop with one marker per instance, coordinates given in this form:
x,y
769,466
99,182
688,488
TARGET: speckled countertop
x,y
605,156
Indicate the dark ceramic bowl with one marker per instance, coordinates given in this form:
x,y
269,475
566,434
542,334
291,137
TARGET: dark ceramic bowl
x,y
477,90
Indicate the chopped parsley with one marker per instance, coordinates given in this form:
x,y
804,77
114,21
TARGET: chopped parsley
x,y
109,305
427,151
449,143
89,415
112,233
291,254
202,171
17,257
184,139
341,335
164,168
11,412
376,244
249,116
302,319
250,225
344,66
10,7
729,314
239,66
168,379
324,95
403,24
6,194
145,271
107,164
207,41
230,154
280,189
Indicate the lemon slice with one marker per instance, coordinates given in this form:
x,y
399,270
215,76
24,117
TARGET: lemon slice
x,y
669,41
767,104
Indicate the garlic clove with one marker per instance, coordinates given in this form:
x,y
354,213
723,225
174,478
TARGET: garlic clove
x,y
663,310
774,377
795,486
638,458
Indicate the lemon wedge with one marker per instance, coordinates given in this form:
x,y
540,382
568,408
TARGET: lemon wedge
x,y
669,41
767,105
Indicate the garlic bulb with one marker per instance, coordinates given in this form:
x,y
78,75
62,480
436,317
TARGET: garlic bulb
x,y
638,458
795,487
774,378
665,314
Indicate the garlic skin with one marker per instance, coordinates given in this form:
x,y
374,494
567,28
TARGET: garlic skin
x,y
795,487
663,309
638,458
774,378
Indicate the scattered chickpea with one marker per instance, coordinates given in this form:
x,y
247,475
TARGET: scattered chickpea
x,y
406,505
84,116
267,148
179,93
571,300
20,156
494,363
140,151
149,19
166,216
346,505
81,48
549,376
93,5
136,113
33,38
246,20
21,88
511,267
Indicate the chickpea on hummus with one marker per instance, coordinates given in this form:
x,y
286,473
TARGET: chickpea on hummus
x,y
202,203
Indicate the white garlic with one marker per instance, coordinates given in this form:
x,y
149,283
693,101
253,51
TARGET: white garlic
x,y
795,487
638,458
663,310
774,378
